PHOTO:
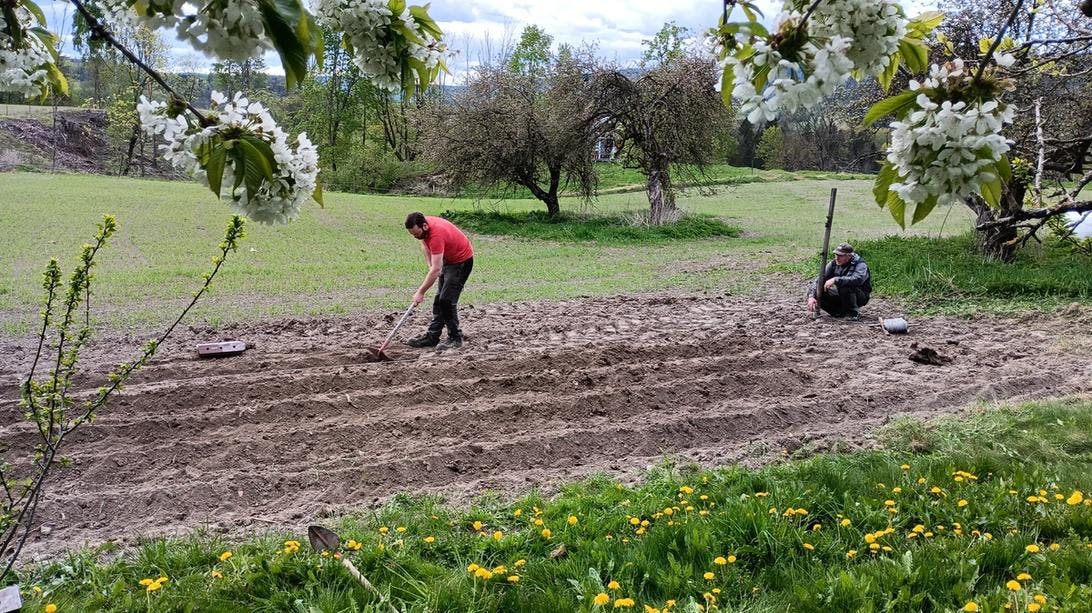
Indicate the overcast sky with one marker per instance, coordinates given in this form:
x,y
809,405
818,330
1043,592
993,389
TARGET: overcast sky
x,y
478,27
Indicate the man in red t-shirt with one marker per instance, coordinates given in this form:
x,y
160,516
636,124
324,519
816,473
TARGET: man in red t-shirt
x,y
450,259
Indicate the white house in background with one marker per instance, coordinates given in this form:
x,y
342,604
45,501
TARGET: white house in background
x,y
1081,224
605,149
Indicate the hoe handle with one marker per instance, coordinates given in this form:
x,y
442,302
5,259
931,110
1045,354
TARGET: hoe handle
x,y
398,325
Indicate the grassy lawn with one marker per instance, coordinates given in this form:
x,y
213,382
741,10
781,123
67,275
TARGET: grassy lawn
x,y
355,254
989,509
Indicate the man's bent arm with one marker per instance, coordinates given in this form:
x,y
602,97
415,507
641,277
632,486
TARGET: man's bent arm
x,y
435,265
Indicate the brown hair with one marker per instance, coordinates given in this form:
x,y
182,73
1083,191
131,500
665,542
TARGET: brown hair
x,y
415,219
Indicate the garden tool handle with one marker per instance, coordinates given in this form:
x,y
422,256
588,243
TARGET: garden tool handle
x,y
398,325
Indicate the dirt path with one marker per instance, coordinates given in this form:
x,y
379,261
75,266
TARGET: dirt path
x,y
542,392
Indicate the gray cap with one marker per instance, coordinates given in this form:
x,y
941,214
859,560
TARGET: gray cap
x,y
844,249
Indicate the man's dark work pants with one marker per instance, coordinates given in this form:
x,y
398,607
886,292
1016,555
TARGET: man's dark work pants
x,y
452,279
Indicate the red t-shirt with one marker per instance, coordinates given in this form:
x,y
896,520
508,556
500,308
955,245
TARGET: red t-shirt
x,y
447,239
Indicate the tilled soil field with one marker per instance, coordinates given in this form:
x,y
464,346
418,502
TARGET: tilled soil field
x,y
301,426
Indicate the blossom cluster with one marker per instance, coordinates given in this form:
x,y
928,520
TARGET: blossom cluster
x,y
946,148
227,29
840,37
23,66
294,174
376,35
873,26
792,85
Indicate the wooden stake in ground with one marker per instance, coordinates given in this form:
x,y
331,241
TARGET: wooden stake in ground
x,y
823,255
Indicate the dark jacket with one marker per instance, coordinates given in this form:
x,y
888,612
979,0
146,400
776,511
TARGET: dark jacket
x,y
853,275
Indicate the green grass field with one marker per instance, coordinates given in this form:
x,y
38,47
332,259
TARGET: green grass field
x,y
354,254
990,510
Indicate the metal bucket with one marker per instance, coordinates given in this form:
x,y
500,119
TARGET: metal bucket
x,y
895,325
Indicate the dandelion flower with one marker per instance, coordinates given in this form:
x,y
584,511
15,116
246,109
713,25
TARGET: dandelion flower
x,y
623,603
517,512
1033,548
720,561
224,557
1014,585
498,535
1034,606
217,574
601,599
1039,598
384,529
546,533
614,585
961,503
430,539
572,520
809,546
905,467
513,578
971,606
483,573
731,559
51,608
477,526
472,567
1023,577
851,553
1074,499
709,576
1055,546
845,523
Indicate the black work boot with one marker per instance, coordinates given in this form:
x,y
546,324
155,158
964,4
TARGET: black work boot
x,y
425,340
452,342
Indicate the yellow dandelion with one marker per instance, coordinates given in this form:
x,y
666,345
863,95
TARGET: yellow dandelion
x,y
51,608
851,553
709,576
472,567
400,529
483,573
731,559
897,490
1039,598
961,503
477,525
572,520
905,467
430,539
1075,498
520,563
845,523
1014,585
1055,546
224,557
384,529
668,511
970,606
498,535
546,533
817,527
614,585
601,599
686,489
1034,606
217,574
1033,548
517,512
1023,577
809,546
623,603
720,561
513,578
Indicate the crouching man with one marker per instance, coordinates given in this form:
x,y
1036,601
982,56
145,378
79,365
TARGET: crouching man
x,y
846,288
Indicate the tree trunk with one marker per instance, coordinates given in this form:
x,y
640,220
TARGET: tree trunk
x,y
661,197
997,243
553,207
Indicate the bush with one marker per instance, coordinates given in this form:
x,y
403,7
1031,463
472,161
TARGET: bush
x,y
616,229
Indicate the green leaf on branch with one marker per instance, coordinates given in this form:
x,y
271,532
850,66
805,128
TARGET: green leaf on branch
x,y
293,33
35,10
925,23
884,179
897,207
421,16
915,54
991,192
752,11
887,77
727,79
255,158
317,195
1004,169
214,167
922,210
895,105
